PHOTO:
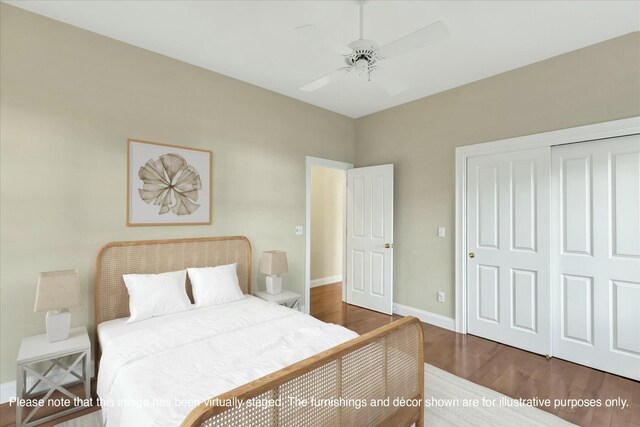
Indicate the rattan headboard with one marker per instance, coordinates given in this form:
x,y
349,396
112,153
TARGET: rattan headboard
x,y
159,256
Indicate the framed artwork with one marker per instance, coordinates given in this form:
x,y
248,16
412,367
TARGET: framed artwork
x,y
168,185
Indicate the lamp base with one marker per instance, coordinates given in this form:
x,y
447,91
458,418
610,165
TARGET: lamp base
x,y
274,285
58,325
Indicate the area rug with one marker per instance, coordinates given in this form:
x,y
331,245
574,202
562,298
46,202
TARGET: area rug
x,y
447,389
93,419
447,394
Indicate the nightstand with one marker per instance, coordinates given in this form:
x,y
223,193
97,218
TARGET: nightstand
x,y
35,353
285,298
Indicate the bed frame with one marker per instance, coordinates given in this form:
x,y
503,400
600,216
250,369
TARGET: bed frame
x,y
339,386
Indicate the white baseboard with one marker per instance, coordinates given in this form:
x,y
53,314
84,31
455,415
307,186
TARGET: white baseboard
x,y
326,280
425,316
8,389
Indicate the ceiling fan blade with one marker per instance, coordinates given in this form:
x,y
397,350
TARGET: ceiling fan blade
x,y
325,80
425,36
389,84
315,35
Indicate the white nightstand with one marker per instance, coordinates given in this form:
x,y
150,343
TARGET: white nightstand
x,y
286,298
66,355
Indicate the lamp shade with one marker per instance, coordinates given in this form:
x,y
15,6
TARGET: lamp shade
x,y
57,290
274,263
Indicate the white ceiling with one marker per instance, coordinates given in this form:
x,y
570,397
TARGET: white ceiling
x,y
255,41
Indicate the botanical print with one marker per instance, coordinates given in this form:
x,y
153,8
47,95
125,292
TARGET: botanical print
x,y
168,185
171,183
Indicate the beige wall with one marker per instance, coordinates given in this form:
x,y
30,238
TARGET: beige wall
x,y
71,98
590,85
327,221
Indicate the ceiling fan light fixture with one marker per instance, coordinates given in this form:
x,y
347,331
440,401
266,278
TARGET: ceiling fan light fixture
x,y
362,66
364,57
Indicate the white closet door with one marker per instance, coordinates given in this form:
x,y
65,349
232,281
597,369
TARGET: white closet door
x,y
596,254
508,243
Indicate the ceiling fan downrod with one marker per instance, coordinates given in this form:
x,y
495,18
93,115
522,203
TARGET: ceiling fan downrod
x,y
361,4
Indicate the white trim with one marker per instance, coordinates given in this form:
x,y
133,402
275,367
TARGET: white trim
x,y
332,164
557,137
460,314
596,131
326,280
8,389
425,316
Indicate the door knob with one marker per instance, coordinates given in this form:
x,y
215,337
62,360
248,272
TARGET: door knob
x,y
388,245
472,255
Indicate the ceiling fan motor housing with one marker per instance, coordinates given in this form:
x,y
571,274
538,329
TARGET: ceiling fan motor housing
x,y
364,56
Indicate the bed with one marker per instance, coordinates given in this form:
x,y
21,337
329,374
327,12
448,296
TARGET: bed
x,y
247,362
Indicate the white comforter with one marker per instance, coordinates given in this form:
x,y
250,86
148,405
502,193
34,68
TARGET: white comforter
x,y
153,372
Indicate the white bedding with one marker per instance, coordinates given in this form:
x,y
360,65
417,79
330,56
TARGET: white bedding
x,y
150,369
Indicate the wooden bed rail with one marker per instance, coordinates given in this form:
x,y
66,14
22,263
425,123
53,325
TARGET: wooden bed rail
x,y
374,379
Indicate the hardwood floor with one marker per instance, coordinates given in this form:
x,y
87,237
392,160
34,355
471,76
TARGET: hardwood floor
x,y
514,372
326,305
508,370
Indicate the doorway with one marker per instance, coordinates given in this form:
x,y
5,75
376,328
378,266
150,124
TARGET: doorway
x,y
325,224
327,232
367,235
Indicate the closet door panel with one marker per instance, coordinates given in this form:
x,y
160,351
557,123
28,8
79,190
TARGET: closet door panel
x,y
508,296
596,254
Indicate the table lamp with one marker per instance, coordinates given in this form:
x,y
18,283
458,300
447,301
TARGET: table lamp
x,y
273,264
58,291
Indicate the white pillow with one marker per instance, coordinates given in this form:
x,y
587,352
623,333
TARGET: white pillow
x,y
215,285
152,295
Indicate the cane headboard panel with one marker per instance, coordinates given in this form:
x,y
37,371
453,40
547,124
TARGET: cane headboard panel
x,y
159,256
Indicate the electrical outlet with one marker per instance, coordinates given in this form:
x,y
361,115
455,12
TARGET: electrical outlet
x,y
441,232
299,230
440,296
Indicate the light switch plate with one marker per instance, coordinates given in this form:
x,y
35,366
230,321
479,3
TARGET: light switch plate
x,y
440,296
441,232
299,230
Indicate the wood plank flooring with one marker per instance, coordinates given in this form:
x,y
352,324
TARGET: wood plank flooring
x,y
508,370
514,372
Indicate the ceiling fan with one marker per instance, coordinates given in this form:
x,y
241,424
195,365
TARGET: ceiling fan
x,y
363,56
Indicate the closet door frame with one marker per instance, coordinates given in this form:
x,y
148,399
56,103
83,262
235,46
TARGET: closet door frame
x,y
592,132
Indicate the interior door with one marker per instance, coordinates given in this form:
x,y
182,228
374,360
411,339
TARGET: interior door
x,y
370,238
508,248
596,254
